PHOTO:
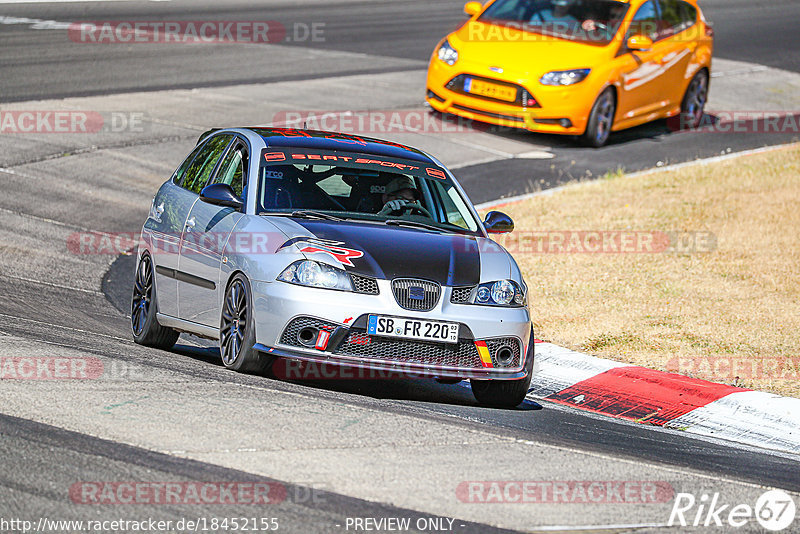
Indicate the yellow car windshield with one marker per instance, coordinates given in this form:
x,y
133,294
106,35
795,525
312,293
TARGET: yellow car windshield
x,y
591,21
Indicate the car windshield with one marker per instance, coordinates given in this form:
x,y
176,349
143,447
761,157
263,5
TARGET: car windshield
x,y
321,184
591,21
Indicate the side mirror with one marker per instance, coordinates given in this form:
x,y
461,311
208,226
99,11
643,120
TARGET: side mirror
x,y
473,8
498,223
221,195
640,43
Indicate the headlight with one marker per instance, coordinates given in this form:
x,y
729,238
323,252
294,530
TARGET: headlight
x,y
564,77
500,293
447,53
314,274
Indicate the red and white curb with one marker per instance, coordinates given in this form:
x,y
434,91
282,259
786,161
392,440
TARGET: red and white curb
x,y
665,399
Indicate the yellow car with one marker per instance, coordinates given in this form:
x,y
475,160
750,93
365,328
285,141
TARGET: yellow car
x,y
575,67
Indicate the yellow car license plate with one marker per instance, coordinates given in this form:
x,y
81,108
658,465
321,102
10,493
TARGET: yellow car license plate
x,y
492,90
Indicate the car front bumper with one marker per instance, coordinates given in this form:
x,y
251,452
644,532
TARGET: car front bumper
x,y
561,110
283,310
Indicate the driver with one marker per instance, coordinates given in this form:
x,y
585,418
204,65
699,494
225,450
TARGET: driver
x,y
400,194
559,15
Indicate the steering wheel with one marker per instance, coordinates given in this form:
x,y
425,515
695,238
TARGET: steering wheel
x,y
408,208
599,26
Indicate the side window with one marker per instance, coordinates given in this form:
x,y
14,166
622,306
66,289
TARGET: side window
x,y
645,22
453,205
688,14
178,176
200,170
233,169
671,18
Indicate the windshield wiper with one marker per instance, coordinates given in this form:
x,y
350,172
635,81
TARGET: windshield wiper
x,y
303,214
311,214
413,224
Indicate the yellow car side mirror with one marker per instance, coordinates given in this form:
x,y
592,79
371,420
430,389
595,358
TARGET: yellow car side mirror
x,y
641,43
473,8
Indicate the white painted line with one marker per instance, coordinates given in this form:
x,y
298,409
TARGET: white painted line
x,y
68,1
579,528
51,284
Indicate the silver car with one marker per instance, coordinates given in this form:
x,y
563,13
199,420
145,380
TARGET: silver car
x,y
337,250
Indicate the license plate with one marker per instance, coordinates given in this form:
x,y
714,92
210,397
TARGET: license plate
x,y
381,325
492,90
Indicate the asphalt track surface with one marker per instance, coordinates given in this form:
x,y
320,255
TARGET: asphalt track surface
x,y
66,316
37,64
395,36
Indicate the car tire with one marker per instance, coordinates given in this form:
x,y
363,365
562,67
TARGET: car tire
x,y
237,330
144,306
694,101
601,119
505,393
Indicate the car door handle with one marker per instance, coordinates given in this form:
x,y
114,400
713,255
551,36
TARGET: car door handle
x,y
190,224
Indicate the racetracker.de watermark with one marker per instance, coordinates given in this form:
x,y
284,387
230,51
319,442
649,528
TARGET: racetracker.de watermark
x,y
590,30
50,368
738,122
519,242
185,32
607,242
737,368
380,121
288,369
564,492
71,122
121,493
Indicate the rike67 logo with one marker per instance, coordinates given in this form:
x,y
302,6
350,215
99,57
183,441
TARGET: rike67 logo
x,y
774,511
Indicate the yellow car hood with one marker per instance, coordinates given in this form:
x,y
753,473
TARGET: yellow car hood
x,y
520,53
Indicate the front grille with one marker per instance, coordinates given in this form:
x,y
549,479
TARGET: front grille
x,y
494,345
363,284
289,336
501,116
460,295
418,295
361,345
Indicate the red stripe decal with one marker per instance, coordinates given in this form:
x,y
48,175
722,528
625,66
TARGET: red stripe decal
x,y
642,395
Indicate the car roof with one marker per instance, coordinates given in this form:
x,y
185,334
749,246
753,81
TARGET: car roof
x,y
324,140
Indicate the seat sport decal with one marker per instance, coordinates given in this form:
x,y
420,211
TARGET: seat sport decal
x,y
311,245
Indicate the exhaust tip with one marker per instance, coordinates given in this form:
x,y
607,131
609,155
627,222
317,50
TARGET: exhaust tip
x,y
504,356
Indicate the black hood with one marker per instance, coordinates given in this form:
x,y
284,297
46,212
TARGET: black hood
x,y
391,252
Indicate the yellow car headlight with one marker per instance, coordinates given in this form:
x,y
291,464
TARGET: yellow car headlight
x,y
564,77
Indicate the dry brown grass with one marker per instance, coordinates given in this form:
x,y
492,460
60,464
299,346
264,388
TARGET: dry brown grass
x,y
731,315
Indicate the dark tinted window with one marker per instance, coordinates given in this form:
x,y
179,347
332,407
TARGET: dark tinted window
x,y
676,16
233,169
200,170
688,14
178,176
645,22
